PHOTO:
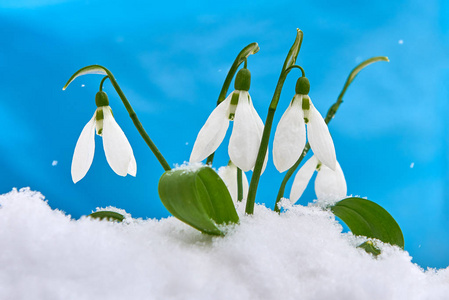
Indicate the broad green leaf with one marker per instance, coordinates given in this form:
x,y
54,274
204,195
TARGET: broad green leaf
x,y
199,198
369,219
294,50
93,69
109,215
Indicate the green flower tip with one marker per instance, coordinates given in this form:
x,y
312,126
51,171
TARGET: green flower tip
x,y
302,86
243,80
101,99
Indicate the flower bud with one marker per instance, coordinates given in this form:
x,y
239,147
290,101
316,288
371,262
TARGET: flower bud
x,y
101,99
302,86
242,80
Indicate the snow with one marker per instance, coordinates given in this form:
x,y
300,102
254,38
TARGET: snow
x,y
300,254
189,167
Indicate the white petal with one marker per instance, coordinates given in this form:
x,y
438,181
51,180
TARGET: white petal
x,y
290,136
260,127
119,153
330,185
229,176
245,138
132,167
212,133
302,179
84,151
320,139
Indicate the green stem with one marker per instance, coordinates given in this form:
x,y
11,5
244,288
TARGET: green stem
x,y
330,115
239,185
138,125
97,69
102,82
289,64
263,148
241,57
287,177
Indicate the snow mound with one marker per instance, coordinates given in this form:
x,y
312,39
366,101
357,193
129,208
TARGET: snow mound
x,y
300,254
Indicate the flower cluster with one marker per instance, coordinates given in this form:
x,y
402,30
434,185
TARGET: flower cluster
x,y
206,199
288,145
300,122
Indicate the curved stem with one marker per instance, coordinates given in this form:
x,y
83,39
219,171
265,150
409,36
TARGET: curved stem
x,y
138,125
97,69
299,67
241,57
102,81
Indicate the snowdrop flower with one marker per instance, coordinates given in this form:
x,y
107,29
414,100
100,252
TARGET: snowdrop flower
x,y
290,136
119,153
329,185
229,175
247,131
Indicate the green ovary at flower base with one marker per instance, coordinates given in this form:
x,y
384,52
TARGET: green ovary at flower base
x,y
290,136
330,185
247,131
118,151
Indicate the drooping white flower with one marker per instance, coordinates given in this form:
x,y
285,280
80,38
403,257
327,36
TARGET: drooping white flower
x,y
118,151
229,175
246,133
330,185
290,135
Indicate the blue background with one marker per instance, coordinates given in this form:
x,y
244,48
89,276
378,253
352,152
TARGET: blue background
x,y
171,59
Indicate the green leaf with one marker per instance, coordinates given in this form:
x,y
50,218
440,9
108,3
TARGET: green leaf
x,y
199,198
369,219
294,51
252,48
93,69
369,247
108,215
359,68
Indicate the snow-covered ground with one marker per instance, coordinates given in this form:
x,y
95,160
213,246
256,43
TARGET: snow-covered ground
x,y
301,254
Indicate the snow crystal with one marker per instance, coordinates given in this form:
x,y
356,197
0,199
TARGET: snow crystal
x,y
400,42
300,254
54,163
190,167
412,165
